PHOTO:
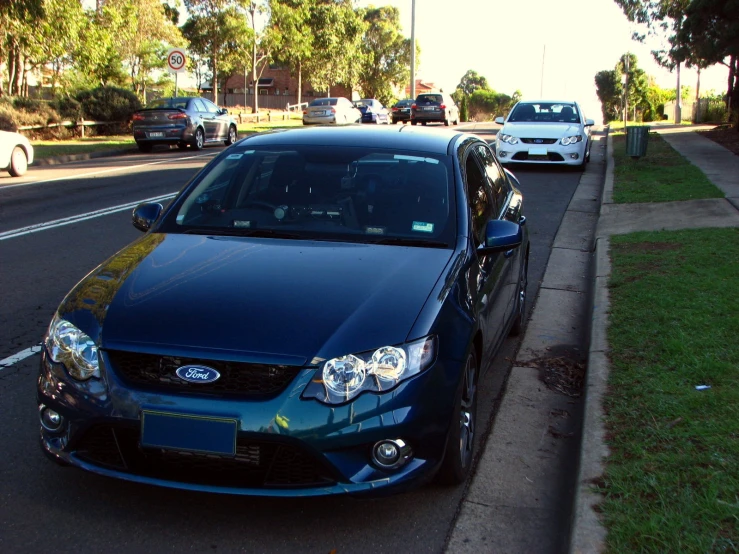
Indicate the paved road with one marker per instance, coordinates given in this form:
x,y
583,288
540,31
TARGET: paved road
x,y
47,508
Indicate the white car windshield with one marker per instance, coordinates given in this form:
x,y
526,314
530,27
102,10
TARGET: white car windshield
x,y
545,112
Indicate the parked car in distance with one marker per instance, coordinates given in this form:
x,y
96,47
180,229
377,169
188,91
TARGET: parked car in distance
x,y
184,121
545,132
401,110
434,107
332,111
372,111
16,153
309,316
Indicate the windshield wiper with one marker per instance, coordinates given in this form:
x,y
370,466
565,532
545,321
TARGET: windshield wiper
x,y
399,241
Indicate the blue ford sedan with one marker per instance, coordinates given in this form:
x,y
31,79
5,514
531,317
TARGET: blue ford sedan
x,y
309,316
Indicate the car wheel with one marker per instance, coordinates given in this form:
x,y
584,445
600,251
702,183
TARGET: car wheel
x,y
423,123
459,452
232,135
18,162
413,122
145,147
446,123
519,318
199,139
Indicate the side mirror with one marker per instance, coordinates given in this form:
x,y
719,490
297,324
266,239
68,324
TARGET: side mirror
x,y
223,111
501,235
589,123
500,120
144,215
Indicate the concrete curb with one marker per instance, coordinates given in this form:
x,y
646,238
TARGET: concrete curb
x,y
58,160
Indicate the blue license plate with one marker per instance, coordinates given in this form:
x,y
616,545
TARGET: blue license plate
x,y
188,432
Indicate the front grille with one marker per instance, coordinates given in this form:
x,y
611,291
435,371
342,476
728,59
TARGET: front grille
x,y
152,370
538,141
549,157
257,464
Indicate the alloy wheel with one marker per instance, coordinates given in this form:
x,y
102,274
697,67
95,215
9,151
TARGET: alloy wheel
x,y
467,414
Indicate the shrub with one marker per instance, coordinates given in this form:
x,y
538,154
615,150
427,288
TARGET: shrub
x,y
68,108
108,104
464,114
8,121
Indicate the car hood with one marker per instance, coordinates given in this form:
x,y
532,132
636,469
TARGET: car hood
x,y
259,300
541,130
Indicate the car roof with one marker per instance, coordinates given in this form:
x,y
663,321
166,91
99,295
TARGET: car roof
x,y
420,139
547,102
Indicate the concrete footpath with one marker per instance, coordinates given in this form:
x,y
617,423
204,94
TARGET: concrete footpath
x,y
517,502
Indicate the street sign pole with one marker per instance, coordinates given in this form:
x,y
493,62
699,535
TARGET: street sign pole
x,y
176,63
176,90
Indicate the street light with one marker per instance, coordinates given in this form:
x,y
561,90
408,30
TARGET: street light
x,y
413,49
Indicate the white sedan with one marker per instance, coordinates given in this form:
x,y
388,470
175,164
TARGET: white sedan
x,y
545,132
332,111
16,153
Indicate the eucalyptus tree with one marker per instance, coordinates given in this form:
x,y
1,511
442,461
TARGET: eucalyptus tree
x,y
386,54
472,81
337,31
18,19
292,44
259,47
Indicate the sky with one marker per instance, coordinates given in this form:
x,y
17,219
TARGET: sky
x,y
509,42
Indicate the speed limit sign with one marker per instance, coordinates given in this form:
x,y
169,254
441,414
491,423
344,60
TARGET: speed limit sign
x,y
176,60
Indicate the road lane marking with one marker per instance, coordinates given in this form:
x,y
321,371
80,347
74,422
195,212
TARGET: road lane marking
x,y
77,218
101,172
20,356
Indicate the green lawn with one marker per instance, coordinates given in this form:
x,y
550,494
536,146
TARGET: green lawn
x,y
51,148
672,480
662,175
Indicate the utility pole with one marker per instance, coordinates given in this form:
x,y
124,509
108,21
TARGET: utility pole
x,y
626,92
541,88
678,102
413,49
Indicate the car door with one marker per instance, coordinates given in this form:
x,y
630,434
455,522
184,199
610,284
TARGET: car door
x,y
488,271
211,121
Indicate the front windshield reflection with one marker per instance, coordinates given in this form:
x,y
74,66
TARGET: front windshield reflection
x,y
318,192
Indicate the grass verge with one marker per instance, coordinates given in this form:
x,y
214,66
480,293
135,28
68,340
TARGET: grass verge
x,y
662,175
253,127
51,148
672,480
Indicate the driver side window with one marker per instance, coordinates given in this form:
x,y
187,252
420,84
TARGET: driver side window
x,y
478,198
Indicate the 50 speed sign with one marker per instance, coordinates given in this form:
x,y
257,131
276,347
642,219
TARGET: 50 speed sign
x,y
176,60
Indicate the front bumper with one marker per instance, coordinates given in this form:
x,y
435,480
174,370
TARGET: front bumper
x,y
555,153
286,445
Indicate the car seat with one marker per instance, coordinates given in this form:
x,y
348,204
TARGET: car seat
x,y
567,114
287,185
525,112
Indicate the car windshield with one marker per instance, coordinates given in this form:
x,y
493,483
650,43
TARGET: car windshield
x,y
172,103
545,112
324,102
314,192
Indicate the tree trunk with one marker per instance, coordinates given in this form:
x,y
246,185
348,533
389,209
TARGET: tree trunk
x,y
254,76
215,79
300,83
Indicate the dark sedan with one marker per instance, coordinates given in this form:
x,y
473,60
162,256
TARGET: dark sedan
x,y
183,121
309,316
372,111
401,110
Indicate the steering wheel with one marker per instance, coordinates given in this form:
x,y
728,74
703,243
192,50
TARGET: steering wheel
x,y
260,204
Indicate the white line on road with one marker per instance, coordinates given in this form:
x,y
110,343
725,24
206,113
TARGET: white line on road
x,y
102,171
20,356
77,218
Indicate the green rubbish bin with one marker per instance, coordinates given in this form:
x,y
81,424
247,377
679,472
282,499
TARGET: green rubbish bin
x,y
636,141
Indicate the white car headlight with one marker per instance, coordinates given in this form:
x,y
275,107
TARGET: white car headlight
x,y
345,377
571,140
508,138
67,345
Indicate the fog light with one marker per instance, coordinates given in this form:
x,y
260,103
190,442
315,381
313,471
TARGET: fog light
x,y
574,156
50,420
502,154
391,454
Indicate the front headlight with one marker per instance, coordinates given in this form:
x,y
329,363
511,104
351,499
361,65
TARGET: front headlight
x,y
508,138
67,345
571,140
346,377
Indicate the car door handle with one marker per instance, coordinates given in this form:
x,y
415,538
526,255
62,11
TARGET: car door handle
x,y
522,220
509,253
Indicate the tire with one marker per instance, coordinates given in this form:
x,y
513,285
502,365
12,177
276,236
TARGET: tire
x,y
413,122
145,147
423,123
460,447
519,318
446,123
198,140
232,136
18,162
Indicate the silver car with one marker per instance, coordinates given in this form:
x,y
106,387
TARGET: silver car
x,y
335,111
